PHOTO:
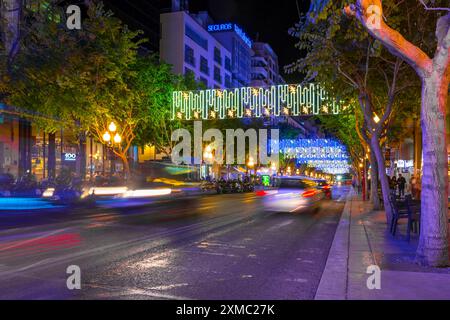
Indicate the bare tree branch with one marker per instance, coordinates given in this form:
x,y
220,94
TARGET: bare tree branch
x,y
432,8
392,39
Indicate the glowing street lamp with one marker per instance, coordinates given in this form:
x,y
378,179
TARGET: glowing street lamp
x,y
250,163
112,127
106,137
274,167
109,135
117,138
207,154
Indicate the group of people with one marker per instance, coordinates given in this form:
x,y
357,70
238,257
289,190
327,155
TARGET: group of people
x,y
400,185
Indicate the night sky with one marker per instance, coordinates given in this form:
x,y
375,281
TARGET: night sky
x,y
265,20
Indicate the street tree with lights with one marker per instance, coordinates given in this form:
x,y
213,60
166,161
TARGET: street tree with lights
x,y
79,79
357,70
85,80
433,69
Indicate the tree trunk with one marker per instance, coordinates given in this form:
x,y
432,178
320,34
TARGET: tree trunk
x,y
366,180
433,243
434,73
82,157
374,182
25,142
417,148
10,18
126,166
51,162
376,149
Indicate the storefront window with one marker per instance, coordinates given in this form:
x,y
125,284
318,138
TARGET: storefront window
x,y
9,146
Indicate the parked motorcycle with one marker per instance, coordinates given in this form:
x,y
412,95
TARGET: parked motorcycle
x,y
207,186
223,186
248,187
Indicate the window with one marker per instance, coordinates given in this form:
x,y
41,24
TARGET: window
x,y
228,83
217,75
227,64
204,65
217,56
189,55
198,39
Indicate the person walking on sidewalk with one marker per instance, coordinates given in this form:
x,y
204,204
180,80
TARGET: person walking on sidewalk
x,y
401,182
393,184
415,186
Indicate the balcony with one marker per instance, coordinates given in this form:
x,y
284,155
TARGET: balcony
x,y
260,71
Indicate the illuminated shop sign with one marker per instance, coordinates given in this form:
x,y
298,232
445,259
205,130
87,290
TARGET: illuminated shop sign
x,y
229,27
220,27
405,163
70,157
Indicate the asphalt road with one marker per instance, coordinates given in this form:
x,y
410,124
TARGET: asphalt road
x,y
210,247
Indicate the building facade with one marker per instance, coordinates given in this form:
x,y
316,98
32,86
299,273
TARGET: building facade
x,y
190,49
25,148
238,43
265,67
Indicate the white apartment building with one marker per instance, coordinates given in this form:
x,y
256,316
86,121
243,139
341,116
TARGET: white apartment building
x,y
265,69
186,45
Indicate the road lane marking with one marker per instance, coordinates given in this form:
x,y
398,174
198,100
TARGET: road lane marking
x,y
133,291
169,286
218,244
280,225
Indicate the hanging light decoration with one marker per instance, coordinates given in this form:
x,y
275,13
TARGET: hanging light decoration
x,y
294,100
326,155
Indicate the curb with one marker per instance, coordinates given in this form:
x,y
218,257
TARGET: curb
x,y
333,283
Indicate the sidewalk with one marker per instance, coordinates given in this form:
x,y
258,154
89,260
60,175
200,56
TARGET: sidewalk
x,y
361,240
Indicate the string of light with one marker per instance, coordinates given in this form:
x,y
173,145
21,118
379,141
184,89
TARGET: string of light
x,y
253,102
327,155
313,149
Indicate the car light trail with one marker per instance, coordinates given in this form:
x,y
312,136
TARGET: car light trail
x,y
144,193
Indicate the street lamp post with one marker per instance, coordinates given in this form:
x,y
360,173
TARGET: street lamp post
x,y
110,138
250,163
208,157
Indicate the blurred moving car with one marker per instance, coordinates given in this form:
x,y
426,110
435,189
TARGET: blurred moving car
x,y
295,194
325,187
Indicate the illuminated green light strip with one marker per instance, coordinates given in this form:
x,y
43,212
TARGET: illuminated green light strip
x,y
252,102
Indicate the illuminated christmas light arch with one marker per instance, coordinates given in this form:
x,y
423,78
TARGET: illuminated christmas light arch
x,y
327,155
253,102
